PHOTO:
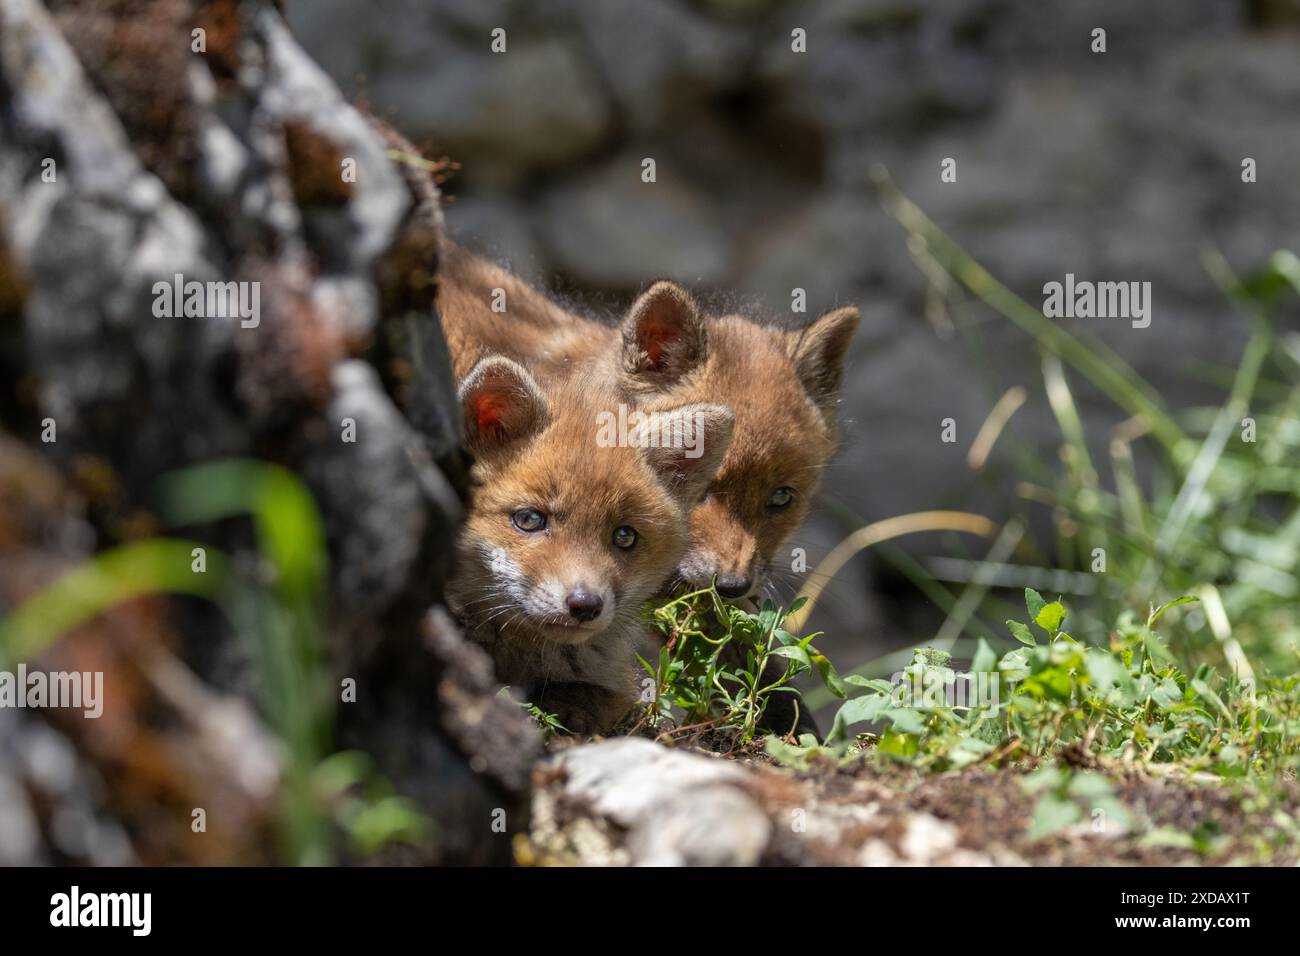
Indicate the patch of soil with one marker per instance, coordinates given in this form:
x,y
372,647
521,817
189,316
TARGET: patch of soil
x,y
1176,819
866,814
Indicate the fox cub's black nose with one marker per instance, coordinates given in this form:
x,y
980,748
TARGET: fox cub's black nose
x,y
583,605
733,585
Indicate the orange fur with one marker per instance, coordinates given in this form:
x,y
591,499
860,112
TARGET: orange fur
x,y
541,453
782,385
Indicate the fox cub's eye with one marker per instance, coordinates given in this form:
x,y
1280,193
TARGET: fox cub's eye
x,y
624,537
781,497
529,519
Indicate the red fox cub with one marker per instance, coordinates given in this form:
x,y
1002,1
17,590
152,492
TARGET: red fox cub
x,y
782,385
572,528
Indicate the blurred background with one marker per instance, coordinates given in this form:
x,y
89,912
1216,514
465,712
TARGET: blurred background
x,y
1116,166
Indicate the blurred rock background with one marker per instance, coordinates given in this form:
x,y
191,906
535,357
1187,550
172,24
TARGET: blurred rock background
x,y
1120,166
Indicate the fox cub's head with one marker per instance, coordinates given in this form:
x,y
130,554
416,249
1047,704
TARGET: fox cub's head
x,y
784,387
573,526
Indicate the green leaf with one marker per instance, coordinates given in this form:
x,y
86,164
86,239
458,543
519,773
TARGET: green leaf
x,y
784,637
858,710
829,675
1046,777
984,659
1051,815
1156,650
901,746
1207,694
790,755
1021,633
905,720
1089,786
1155,615
1050,617
1014,663
392,819
989,730
874,683
968,750
794,652
1034,603
1105,670
1051,682
336,773
157,565
1168,694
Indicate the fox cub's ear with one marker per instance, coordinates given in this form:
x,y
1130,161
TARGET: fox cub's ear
x,y
663,337
501,404
686,446
819,352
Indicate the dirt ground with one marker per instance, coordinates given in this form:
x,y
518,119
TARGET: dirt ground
x,y
866,815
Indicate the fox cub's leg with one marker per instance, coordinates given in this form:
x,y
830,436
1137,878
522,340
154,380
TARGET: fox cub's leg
x,y
584,708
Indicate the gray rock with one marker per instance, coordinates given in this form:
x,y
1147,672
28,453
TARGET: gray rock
x,y
19,833
40,768
502,115
610,229
736,8
679,808
668,65
299,91
879,63
370,489
823,249
896,394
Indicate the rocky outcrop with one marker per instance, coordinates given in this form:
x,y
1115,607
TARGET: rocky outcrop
x,y
145,147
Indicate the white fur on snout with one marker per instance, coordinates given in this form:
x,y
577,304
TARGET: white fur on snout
x,y
545,599
549,598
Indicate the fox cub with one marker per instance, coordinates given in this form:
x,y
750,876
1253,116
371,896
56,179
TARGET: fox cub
x,y
568,536
782,385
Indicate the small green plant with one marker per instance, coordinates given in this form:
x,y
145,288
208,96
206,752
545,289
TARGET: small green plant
x,y
548,723
1127,702
721,665
1067,796
365,806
